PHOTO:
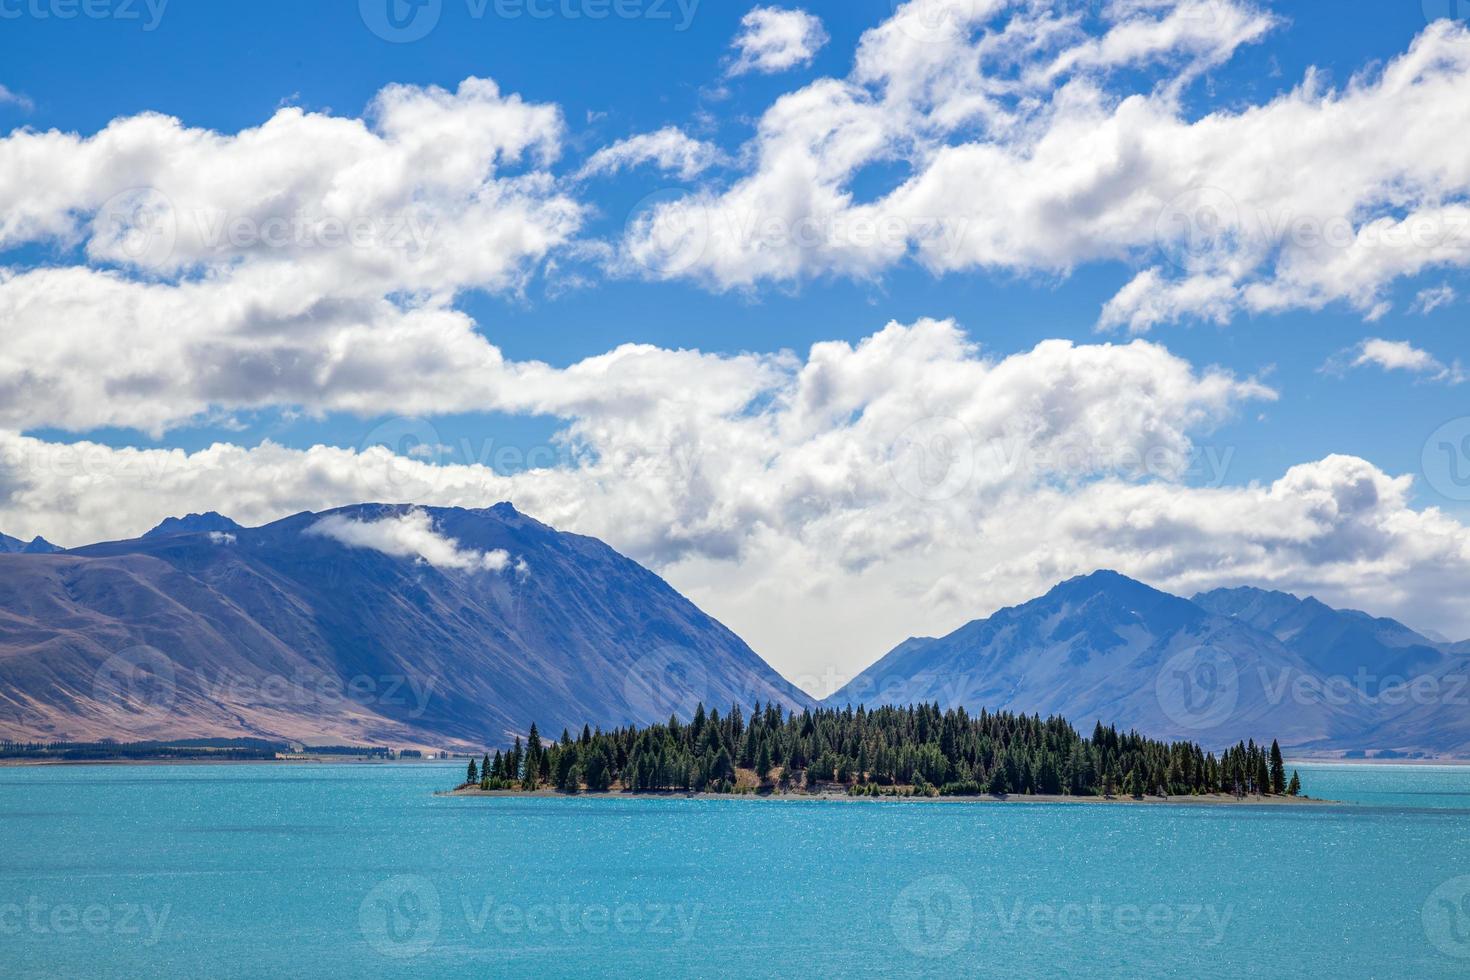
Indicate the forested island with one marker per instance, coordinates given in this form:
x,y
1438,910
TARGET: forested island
x,y
915,751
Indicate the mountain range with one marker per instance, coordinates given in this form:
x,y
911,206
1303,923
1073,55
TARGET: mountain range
x,y
1217,667
371,624
445,627
36,546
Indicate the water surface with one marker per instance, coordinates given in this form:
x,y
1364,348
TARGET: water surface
x,y
267,871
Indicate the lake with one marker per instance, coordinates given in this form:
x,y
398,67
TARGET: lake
x,y
333,870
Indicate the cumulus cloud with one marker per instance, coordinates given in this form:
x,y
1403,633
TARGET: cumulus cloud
x,y
1038,142
670,149
828,505
773,39
409,535
1396,355
312,261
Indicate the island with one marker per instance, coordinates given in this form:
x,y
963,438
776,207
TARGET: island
x,y
899,753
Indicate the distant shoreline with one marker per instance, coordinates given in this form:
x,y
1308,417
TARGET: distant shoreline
x,y
1213,799
305,761
1377,762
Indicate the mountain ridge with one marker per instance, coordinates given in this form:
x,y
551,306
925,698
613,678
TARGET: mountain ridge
x,y
1104,646
495,620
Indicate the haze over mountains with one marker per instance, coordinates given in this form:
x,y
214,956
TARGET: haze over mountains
x,y
1225,665
367,625
456,628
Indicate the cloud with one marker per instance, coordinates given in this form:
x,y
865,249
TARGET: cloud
x,y
1431,299
827,505
773,39
409,535
9,97
221,538
1038,141
313,261
1396,355
669,148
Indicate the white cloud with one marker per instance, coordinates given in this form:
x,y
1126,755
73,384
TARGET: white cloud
x,y
829,505
312,261
409,535
221,538
773,39
1396,355
9,97
670,148
1431,299
1034,148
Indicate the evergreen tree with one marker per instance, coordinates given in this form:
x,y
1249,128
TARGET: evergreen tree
x,y
1278,770
472,775
1295,787
763,762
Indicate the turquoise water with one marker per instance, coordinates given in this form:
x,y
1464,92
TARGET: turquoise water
x,y
265,871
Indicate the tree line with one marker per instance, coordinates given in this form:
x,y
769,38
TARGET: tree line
x,y
883,751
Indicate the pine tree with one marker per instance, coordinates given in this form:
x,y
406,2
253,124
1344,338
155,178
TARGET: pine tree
x,y
533,760
472,775
1278,770
763,761
1295,787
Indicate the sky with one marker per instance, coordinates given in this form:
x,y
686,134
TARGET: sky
x,y
855,320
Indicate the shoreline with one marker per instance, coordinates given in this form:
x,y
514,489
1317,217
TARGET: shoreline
x,y
1216,799
306,761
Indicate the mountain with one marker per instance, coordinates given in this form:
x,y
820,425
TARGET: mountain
x,y
1334,641
195,524
328,628
1220,667
36,546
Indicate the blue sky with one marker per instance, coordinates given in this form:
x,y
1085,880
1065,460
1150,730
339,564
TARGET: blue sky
x,y
229,68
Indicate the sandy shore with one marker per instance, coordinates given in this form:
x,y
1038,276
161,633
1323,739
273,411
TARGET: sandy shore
x,y
1215,799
